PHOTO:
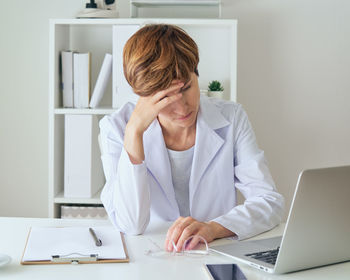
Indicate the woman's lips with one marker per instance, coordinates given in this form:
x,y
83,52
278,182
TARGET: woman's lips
x,y
185,117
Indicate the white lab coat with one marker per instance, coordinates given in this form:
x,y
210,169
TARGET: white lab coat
x,y
226,158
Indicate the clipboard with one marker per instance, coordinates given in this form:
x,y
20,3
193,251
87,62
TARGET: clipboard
x,y
35,255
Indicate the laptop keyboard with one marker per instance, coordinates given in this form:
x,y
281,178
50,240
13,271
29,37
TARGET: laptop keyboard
x,y
269,256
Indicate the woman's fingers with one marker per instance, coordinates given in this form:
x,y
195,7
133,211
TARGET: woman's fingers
x,y
193,242
167,100
176,230
191,229
148,107
176,233
183,228
160,95
168,245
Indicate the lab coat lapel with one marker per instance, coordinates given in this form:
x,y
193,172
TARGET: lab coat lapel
x,y
157,160
208,142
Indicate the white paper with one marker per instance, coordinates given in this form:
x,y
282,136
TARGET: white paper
x,y
43,243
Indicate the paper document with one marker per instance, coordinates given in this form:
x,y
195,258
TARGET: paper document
x,y
43,243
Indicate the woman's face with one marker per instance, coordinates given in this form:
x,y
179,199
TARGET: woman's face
x,y
183,113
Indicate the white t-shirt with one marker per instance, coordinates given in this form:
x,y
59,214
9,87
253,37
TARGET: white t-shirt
x,y
181,164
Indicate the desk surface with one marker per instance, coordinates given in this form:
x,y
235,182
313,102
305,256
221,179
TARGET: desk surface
x,y
13,234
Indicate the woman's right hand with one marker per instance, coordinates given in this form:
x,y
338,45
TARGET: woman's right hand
x,y
146,110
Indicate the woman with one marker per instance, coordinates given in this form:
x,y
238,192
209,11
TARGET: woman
x,y
177,156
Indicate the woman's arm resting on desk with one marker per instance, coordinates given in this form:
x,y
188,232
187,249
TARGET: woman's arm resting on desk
x,y
263,208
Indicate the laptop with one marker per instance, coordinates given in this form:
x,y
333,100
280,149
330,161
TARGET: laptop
x,y
317,231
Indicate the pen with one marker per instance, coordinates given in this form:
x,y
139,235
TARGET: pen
x,y
98,242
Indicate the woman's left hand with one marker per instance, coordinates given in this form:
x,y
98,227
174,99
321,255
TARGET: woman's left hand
x,y
183,228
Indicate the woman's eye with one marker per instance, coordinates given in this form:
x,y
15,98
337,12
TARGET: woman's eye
x,y
184,89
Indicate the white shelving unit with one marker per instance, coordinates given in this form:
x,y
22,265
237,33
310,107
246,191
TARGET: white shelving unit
x,y
60,199
216,39
136,4
95,111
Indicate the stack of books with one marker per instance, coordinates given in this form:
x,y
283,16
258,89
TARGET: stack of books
x,y
76,80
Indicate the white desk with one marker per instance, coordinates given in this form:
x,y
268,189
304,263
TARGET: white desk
x,y
13,234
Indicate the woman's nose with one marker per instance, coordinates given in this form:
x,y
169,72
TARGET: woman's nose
x,y
180,106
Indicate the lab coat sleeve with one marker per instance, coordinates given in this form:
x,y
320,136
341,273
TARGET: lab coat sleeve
x,y
126,195
263,207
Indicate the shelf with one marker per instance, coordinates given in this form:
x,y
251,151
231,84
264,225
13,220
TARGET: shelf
x,y
141,21
135,4
140,3
84,111
59,198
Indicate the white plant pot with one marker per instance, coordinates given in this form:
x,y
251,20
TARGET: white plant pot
x,y
217,94
204,92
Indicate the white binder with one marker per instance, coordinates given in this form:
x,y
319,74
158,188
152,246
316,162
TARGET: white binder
x,y
122,92
83,173
81,77
102,81
67,78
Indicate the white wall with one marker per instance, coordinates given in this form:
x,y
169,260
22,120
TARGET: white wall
x,y
24,103
293,80
293,65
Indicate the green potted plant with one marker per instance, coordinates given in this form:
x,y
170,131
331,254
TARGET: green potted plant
x,y
215,89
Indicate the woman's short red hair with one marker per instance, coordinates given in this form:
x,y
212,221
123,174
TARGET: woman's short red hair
x,y
156,55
